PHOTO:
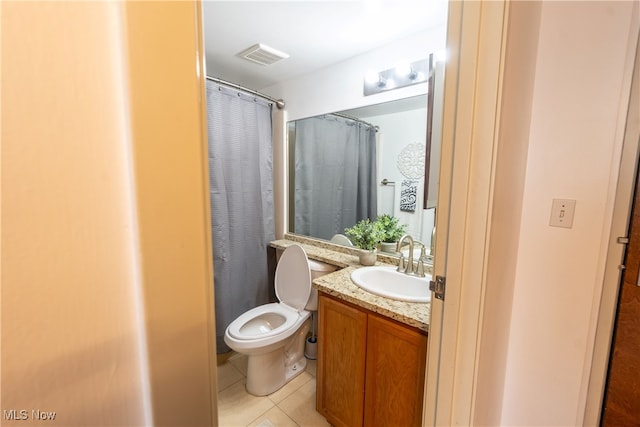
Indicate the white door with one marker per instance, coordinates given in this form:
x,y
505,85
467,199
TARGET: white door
x,y
472,81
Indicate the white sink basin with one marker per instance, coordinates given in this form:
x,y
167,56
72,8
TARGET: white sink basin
x,y
387,282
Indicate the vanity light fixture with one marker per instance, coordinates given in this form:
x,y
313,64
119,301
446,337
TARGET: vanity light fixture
x,y
405,70
374,79
403,75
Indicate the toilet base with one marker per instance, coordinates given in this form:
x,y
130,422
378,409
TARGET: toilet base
x,y
268,372
265,373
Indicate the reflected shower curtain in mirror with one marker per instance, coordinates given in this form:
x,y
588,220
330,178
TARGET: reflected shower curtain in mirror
x,y
242,210
335,175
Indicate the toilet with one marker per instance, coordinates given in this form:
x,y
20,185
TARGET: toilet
x,y
273,335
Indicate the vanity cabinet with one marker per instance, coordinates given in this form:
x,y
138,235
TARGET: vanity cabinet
x,y
371,369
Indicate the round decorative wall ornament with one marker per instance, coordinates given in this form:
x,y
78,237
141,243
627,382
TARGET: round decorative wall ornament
x,y
411,161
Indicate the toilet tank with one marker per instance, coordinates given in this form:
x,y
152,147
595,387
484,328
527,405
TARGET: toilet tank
x,y
318,269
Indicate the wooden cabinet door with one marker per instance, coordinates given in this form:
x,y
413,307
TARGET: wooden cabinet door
x,y
342,335
396,359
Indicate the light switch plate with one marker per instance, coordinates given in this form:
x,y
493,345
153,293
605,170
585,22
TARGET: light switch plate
x,y
562,211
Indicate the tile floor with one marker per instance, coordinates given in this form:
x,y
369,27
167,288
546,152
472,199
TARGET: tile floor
x,y
292,405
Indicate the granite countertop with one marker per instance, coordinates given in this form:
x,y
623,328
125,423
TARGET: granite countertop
x,y
339,284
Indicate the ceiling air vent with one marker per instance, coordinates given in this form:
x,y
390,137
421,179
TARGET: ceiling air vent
x,y
263,54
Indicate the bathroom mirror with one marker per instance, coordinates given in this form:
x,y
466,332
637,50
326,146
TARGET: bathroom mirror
x,y
366,162
324,51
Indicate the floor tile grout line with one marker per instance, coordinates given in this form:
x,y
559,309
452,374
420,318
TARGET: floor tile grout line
x,y
287,414
274,406
291,392
311,377
230,385
261,415
242,375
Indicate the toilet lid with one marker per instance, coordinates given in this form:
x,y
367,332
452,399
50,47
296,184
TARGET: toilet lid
x,y
293,278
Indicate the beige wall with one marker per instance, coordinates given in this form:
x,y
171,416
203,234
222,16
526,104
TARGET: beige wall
x,y
106,276
172,182
519,73
573,152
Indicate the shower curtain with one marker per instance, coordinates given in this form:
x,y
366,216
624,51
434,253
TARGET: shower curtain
x,y
335,175
242,210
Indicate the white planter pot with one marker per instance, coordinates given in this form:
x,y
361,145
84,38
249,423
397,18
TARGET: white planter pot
x,y
368,257
389,248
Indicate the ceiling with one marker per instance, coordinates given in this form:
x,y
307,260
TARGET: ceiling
x,y
315,34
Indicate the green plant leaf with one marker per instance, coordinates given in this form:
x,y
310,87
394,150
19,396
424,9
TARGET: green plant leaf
x,y
365,234
391,228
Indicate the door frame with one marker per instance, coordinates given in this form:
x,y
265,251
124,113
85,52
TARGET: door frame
x,y
476,41
476,37
624,181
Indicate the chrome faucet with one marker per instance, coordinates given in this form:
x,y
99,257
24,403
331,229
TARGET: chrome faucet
x,y
419,269
409,268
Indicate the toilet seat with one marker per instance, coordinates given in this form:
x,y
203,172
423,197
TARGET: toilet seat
x,y
239,341
270,323
293,278
238,328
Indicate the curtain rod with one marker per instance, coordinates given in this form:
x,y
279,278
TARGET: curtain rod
x,y
345,116
279,102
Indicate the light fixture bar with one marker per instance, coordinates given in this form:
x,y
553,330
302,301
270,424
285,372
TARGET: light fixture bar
x,y
413,73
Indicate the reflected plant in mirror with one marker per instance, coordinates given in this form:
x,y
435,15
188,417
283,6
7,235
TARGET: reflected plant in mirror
x,y
392,231
366,235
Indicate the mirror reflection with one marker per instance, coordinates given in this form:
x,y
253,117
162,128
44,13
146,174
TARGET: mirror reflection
x,y
367,162
328,53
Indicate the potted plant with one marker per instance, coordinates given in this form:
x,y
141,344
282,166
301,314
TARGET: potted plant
x,y
366,235
392,232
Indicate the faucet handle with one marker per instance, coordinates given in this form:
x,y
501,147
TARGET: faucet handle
x,y
420,269
423,250
423,253
401,265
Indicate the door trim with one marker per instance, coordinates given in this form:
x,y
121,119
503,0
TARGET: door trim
x,y
473,80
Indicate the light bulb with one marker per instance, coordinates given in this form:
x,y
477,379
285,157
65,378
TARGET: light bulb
x,y
372,77
403,69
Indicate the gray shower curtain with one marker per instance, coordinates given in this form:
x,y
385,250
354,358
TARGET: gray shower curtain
x,y
335,175
242,211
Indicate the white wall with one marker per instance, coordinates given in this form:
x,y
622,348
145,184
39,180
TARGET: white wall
x,y
581,58
396,132
339,87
